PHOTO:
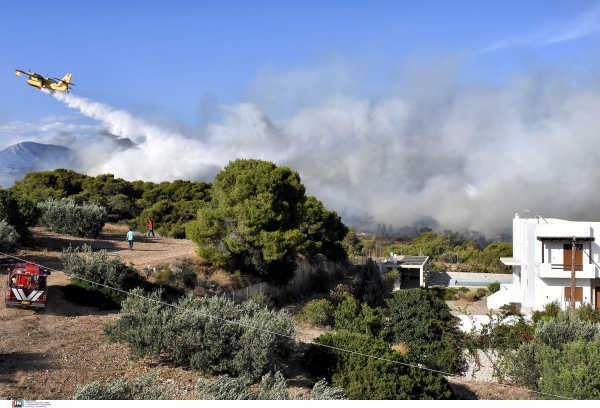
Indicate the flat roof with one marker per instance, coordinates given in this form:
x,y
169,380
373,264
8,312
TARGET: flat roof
x,y
407,261
565,238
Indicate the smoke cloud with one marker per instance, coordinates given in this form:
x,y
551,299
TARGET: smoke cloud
x,y
470,156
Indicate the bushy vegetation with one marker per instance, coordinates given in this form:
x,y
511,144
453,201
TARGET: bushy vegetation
x,y
342,311
318,312
566,328
144,387
359,318
369,285
446,293
494,287
424,322
269,388
195,333
169,205
564,359
9,239
67,217
351,243
573,372
98,267
20,213
368,378
390,278
260,220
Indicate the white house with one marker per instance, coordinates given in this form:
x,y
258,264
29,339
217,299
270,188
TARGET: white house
x,y
410,267
541,261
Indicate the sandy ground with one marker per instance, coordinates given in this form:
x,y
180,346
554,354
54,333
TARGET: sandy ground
x,y
45,355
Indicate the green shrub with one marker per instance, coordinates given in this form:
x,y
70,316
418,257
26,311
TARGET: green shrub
x,y
573,372
355,318
390,278
367,378
9,239
419,318
462,289
67,217
501,333
369,286
565,328
481,292
445,293
196,333
318,312
522,367
98,267
588,313
20,213
144,387
551,310
269,388
165,276
340,293
187,277
494,287
561,359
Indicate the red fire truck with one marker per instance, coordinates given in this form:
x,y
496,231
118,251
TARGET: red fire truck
x,y
27,285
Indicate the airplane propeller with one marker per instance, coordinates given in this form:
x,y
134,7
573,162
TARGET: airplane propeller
x,y
58,79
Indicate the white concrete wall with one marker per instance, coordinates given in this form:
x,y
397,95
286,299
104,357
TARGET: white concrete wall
x,y
537,291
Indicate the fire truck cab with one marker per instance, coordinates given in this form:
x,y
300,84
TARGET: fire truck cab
x,y
27,285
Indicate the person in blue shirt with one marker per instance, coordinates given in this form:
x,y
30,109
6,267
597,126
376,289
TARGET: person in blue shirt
x,y
130,236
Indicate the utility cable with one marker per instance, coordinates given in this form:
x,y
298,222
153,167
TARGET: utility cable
x,y
281,334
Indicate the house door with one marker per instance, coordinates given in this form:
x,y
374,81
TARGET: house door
x,y
598,297
568,254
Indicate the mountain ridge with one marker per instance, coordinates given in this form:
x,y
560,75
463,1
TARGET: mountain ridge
x,y
25,157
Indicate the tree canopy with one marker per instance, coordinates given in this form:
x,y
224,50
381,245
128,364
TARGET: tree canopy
x,y
169,204
260,220
18,212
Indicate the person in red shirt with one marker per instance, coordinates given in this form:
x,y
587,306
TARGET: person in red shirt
x,y
150,228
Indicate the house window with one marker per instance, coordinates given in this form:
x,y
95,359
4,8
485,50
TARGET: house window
x,y
578,293
568,257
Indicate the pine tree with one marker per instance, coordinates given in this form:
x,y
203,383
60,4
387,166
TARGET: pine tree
x,y
369,285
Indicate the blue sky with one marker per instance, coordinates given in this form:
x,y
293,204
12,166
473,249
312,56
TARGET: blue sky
x,y
467,111
168,56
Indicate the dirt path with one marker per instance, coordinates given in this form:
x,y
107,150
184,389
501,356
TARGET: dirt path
x,y
46,355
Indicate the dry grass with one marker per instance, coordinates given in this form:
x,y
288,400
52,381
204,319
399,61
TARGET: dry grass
x,y
115,228
221,278
401,347
471,296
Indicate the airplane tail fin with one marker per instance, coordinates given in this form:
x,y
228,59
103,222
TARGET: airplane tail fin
x,y
63,85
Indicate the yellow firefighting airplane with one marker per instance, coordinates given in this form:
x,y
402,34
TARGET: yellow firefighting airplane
x,y
40,82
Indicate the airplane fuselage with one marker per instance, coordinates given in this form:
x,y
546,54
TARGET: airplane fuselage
x,y
40,82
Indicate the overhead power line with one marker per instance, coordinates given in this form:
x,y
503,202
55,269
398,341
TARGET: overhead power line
x,y
420,367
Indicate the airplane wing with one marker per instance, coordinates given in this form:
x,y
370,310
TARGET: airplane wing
x,y
19,72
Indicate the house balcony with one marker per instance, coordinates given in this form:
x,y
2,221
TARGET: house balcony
x,y
548,270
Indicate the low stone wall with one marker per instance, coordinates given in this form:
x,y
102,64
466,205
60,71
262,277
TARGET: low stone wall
x,y
492,277
484,371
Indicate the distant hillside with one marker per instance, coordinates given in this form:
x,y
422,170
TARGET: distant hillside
x,y
18,160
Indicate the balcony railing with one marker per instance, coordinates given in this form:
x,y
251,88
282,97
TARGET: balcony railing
x,y
548,270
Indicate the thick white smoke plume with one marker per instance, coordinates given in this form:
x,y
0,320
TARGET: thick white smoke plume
x,y
470,156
